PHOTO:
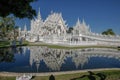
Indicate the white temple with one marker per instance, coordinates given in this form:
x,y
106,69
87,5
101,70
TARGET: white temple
x,y
53,30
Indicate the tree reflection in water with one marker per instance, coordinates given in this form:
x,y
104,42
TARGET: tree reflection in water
x,y
7,54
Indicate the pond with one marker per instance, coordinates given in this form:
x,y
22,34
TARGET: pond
x,y
44,59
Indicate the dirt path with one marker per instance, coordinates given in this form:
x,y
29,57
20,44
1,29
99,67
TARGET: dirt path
x,y
54,73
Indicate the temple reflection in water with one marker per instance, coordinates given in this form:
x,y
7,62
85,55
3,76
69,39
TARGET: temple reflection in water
x,y
54,59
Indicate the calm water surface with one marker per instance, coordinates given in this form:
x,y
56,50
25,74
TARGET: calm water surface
x,y
44,59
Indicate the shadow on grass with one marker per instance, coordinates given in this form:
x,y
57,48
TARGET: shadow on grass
x,y
32,77
91,76
52,77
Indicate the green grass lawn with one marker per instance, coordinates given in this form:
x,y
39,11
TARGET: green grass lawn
x,y
108,74
7,78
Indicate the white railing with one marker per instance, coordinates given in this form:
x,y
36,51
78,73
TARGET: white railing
x,y
93,39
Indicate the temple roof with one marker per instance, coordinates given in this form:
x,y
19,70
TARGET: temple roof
x,y
81,27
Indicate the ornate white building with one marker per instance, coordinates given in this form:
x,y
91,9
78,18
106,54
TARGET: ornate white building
x,y
54,29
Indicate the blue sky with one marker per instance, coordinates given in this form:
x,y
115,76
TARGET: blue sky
x,y
99,14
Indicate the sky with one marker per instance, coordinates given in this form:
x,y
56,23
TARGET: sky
x,y
99,14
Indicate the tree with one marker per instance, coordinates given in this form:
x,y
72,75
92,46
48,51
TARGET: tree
x,y
70,30
108,32
19,8
5,24
7,28
16,32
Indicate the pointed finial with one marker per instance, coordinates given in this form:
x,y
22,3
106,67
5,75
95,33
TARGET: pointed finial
x,y
51,12
88,26
39,15
19,28
78,22
83,21
25,28
60,13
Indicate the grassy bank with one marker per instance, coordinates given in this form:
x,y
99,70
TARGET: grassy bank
x,y
104,74
4,43
25,43
8,44
70,47
109,75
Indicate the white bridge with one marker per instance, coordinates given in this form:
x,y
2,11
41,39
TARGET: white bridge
x,y
75,40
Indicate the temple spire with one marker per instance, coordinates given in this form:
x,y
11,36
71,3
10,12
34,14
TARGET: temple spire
x,y
51,12
39,15
25,28
19,30
78,22
83,22
89,28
